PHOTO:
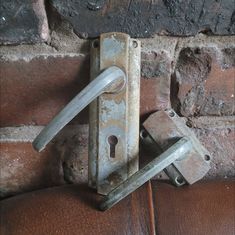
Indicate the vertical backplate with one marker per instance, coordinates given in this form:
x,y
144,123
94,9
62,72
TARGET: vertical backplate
x,y
114,117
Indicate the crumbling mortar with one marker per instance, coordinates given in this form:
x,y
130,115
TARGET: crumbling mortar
x,y
66,43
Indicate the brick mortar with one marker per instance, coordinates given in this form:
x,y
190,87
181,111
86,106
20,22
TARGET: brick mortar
x,y
71,45
65,160
73,139
212,122
26,134
30,52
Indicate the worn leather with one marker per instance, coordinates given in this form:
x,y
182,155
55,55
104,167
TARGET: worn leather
x,y
71,210
205,208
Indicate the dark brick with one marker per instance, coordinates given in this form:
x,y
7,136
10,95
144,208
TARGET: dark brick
x,y
205,81
145,18
33,92
23,22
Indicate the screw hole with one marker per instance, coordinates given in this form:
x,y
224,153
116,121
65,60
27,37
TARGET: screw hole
x,y
171,114
143,134
95,44
207,157
84,35
189,124
135,44
179,180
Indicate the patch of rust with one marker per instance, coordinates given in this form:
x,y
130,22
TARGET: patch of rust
x,y
110,107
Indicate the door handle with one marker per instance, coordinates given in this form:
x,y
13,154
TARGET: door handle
x,y
114,126
110,80
113,113
176,150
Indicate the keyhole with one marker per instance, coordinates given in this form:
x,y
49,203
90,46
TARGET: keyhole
x,y
113,140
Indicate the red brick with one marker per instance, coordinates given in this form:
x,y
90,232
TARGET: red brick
x,y
33,92
23,169
154,95
65,160
155,82
205,86
217,134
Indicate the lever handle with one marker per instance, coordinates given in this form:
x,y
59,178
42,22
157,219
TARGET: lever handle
x,y
176,151
111,79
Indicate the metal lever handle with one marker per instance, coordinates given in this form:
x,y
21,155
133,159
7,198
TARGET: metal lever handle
x,y
176,151
110,80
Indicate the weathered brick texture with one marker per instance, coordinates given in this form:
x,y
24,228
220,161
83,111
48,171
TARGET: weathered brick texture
x,y
205,80
143,18
26,21
155,82
23,169
217,134
23,22
195,76
32,92
65,160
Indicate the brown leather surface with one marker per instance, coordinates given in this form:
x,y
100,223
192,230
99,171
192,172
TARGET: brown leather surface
x,y
206,208
71,210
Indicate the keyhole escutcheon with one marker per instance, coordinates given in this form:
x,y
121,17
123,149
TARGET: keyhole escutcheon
x,y
113,140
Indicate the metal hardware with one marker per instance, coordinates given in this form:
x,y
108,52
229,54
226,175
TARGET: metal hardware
x,y
184,160
114,115
164,128
176,151
107,81
114,126
154,149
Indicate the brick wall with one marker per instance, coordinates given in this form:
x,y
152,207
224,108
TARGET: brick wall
x,y
42,67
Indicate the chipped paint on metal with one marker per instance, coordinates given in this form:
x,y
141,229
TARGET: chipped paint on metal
x,y
117,114
112,110
192,167
113,47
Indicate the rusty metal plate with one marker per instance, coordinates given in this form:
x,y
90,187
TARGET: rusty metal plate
x,y
165,128
114,117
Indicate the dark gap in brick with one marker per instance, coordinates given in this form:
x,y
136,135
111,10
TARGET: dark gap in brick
x,y
174,89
